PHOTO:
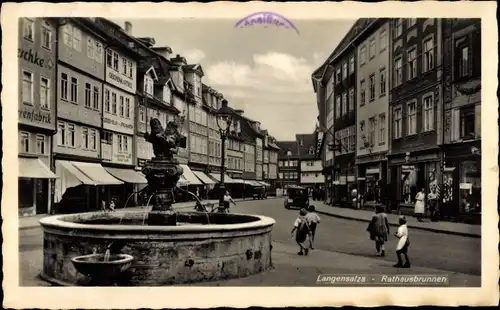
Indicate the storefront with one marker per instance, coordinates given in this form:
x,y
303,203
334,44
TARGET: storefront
x,y
34,185
411,174
372,182
344,179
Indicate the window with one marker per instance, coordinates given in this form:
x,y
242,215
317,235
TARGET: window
x,y
109,58
90,48
25,142
61,133
337,107
428,55
428,113
124,66
398,27
107,107
362,55
40,144
412,22
142,114
373,48
85,138
467,122
397,118
127,107
344,104
29,29
113,103
27,87
68,35
351,99
381,135
70,139
46,38
344,71
120,143
77,39
383,82
148,85
74,90
122,107
372,124
372,87
338,76
351,65
44,92
412,63
398,71
88,95
362,93
130,69
352,139
115,61
383,40
64,86
463,62
93,139
412,118
96,98
98,52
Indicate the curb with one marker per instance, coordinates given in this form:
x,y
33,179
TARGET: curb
x,y
36,225
448,232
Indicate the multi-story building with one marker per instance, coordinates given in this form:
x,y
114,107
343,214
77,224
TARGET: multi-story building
x,y
272,170
288,164
415,107
36,113
462,115
373,76
77,151
310,167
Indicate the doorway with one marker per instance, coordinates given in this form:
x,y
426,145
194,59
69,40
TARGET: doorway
x,y
42,196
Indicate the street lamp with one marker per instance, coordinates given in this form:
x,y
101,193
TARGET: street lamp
x,y
224,120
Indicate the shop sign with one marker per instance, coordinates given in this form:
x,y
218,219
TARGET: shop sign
x,y
118,125
122,158
120,81
141,162
32,115
34,58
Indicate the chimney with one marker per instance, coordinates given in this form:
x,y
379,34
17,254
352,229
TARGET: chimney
x,y
179,60
164,51
128,28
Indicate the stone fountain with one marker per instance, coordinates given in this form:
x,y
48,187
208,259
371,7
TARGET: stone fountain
x,y
158,246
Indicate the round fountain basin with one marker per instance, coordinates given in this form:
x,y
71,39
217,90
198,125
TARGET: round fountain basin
x,y
202,247
95,266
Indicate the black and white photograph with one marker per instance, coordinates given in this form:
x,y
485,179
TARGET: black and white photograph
x,y
257,148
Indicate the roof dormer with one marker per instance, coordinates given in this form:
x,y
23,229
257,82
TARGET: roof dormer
x,y
149,79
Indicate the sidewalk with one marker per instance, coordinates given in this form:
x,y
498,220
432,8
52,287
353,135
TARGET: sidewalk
x,y
459,229
28,222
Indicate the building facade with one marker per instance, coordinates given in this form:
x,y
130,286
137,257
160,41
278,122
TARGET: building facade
x,y
270,166
288,164
415,108
36,113
310,167
461,145
373,76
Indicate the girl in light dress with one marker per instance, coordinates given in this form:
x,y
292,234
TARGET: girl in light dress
x,y
420,205
403,244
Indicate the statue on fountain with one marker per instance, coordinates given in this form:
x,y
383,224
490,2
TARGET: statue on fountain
x,y
163,171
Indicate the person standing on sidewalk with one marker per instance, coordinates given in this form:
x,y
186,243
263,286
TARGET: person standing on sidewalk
x,y
312,219
379,229
403,244
433,199
302,228
420,205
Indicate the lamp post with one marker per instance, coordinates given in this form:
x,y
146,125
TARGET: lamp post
x,y
224,120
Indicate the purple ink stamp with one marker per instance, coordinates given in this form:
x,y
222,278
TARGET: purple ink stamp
x,y
265,19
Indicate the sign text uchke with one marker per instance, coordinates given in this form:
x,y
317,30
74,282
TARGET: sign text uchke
x,y
33,58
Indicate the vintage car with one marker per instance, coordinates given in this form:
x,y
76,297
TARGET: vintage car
x,y
297,197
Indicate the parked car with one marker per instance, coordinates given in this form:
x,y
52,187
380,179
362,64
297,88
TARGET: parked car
x,y
259,192
297,197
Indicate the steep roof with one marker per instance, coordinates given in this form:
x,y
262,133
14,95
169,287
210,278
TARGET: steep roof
x,y
305,142
286,146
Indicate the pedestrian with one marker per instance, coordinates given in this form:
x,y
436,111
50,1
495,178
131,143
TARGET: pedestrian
x,y
112,205
302,231
227,201
403,244
379,229
420,205
433,199
313,220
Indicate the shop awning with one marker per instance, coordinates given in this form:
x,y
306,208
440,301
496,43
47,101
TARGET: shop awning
x,y
252,183
372,171
216,176
190,176
96,173
203,177
34,168
239,181
127,175
264,184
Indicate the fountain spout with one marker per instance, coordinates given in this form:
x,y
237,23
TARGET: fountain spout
x,y
107,254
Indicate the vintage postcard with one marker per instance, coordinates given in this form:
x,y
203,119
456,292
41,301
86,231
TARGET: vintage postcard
x,y
249,154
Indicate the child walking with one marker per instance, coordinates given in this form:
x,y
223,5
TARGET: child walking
x,y
303,230
403,244
313,220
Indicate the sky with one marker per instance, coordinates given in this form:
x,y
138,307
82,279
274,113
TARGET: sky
x,y
263,70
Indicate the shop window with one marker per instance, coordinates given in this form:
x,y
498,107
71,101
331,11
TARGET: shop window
x,y
470,187
467,122
25,192
408,184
